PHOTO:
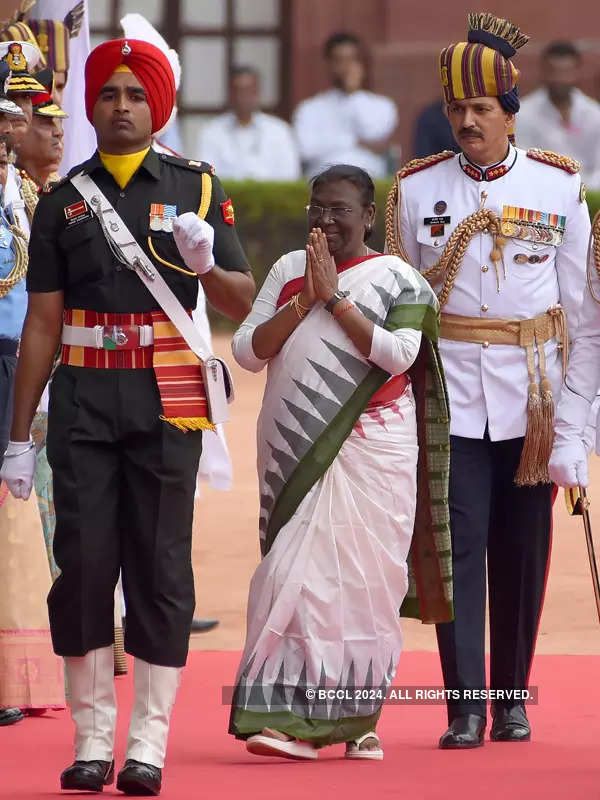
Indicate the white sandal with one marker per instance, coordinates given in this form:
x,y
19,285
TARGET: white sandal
x,y
295,749
353,748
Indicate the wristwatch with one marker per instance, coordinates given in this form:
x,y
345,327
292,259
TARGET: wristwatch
x,y
335,299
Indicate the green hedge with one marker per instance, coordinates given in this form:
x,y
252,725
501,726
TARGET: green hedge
x,y
271,220
593,201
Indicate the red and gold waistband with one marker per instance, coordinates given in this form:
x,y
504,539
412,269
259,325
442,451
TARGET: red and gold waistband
x,y
118,358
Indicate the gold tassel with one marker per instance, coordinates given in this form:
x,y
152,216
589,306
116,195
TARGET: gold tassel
x,y
186,424
547,436
528,471
539,436
119,653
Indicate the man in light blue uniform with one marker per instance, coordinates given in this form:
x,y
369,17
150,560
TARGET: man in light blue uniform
x,y
13,305
13,297
13,300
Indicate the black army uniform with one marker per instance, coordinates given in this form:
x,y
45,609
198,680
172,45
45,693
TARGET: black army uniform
x,y
123,479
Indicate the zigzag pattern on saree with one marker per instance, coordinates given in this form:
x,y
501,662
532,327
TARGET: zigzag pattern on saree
x,y
309,423
355,697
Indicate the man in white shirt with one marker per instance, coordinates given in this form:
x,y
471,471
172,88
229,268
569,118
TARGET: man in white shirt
x,y
558,116
346,124
245,143
519,228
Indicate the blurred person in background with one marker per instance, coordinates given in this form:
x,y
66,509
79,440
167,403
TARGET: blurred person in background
x,y
22,58
433,132
31,675
346,124
37,163
245,143
41,148
53,37
560,117
80,140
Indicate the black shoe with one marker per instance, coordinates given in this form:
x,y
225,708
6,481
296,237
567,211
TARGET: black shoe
x,y
464,732
8,716
88,776
510,724
202,625
139,779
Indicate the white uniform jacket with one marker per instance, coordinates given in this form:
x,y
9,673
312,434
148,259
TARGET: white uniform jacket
x,y
488,384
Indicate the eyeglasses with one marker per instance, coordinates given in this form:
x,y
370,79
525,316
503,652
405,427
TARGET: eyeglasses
x,y
334,212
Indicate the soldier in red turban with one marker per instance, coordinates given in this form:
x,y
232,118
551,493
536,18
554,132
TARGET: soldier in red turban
x,y
149,65
128,408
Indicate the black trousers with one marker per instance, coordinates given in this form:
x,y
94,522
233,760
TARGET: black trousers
x,y
488,513
124,498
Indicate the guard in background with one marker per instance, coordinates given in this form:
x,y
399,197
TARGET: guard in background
x,y
13,298
13,303
124,431
577,409
53,37
502,234
21,58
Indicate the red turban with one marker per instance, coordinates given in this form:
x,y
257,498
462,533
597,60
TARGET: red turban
x,y
149,65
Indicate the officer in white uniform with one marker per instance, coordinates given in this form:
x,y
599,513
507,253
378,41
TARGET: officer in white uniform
x,y
568,465
21,86
520,227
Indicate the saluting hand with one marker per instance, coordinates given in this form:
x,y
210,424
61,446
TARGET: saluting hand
x,y
324,273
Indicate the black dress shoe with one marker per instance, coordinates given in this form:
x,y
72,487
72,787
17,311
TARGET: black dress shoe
x,y
464,732
203,625
139,779
510,724
88,776
8,716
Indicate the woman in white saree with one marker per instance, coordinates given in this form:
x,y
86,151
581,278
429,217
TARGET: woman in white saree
x,y
339,326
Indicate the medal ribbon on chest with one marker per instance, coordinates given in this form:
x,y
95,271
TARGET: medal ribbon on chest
x,y
542,227
162,216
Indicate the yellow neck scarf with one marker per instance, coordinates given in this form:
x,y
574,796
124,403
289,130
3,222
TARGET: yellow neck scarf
x,y
122,168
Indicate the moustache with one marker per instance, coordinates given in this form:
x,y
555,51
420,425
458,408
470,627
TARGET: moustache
x,y
470,132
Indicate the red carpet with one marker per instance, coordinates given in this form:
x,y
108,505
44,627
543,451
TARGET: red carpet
x,y
561,762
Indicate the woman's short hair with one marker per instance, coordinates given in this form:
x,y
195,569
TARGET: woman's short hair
x,y
354,175
346,172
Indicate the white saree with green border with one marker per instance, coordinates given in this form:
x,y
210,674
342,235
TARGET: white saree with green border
x,y
343,485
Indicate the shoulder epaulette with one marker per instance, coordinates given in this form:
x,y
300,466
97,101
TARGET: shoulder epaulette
x,y
393,233
197,166
418,164
50,187
554,160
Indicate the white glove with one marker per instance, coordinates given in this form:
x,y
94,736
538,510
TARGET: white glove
x,y
194,238
18,468
569,461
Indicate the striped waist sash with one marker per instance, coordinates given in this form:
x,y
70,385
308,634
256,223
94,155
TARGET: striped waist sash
x,y
178,371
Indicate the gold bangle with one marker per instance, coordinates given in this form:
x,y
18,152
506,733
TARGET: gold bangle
x,y
298,308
